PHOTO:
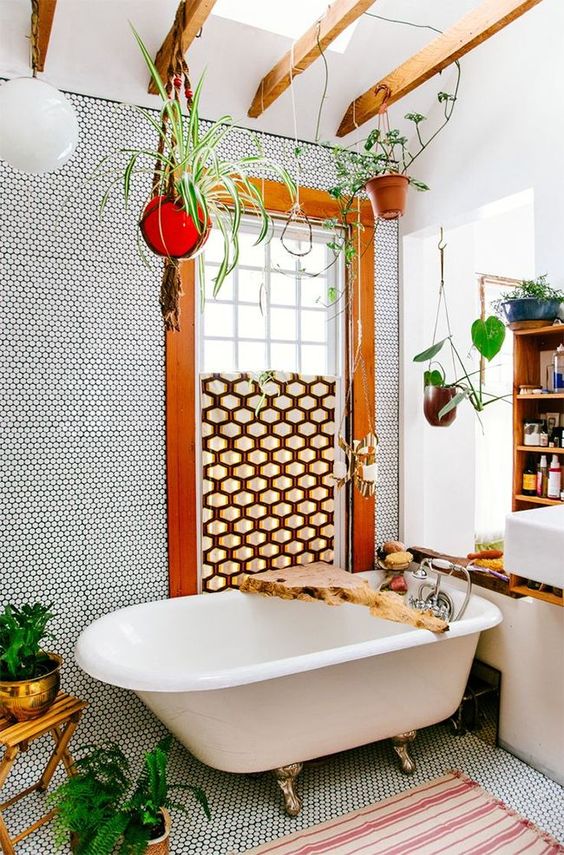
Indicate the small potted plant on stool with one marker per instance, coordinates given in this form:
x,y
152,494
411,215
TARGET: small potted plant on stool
x,y
29,675
105,811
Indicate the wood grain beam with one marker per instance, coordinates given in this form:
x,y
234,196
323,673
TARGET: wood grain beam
x,y
45,15
337,18
196,15
473,29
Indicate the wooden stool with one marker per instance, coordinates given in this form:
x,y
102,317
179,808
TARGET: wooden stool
x,y
60,721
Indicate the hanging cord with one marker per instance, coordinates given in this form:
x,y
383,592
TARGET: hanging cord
x,y
34,36
442,301
178,78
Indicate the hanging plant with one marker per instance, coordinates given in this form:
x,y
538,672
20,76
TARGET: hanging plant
x,y
195,187
441,399
383,168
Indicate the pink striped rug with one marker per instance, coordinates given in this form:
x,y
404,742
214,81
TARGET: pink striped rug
x,y
451,815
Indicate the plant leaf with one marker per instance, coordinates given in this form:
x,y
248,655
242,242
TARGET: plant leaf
x,y
432,351
454,402
488,336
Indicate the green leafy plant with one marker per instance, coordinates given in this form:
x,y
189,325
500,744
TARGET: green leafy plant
x,y
384,152
22,630
261,380
106,812
528,289
488,336
212,188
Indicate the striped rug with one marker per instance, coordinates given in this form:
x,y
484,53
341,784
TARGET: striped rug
x,y
451,815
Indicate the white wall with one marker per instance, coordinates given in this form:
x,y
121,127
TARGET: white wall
x,y
507,136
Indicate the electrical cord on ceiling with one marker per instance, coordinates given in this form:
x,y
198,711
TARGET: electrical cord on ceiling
x,y
407,23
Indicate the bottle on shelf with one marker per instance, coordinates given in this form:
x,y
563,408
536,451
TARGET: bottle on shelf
x,y
542,477
554,478
530,478
558,373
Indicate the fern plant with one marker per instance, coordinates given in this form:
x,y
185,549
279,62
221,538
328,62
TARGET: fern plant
x,y
22,630
106,812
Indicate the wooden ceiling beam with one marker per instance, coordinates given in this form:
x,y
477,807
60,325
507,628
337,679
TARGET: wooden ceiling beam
x,y
473,29
45,15
338,17
196,15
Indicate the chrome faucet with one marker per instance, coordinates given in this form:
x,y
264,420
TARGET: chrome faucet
x,y
430,596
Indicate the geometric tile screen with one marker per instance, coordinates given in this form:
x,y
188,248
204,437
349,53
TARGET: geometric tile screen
x,y
267,496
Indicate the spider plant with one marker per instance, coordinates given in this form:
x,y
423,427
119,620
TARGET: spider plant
x,y
190,166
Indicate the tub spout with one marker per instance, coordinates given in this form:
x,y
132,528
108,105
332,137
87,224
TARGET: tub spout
x,y
401,744
286,777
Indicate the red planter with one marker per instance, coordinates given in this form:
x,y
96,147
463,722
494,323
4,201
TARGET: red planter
x,y
168,230
388,195
434,399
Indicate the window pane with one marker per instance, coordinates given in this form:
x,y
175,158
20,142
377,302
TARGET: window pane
x,y
315,261
283,324
283,289
218,319
252,356
284,357
280,258
218,356
314,325
251,322
314,292
253,256
214,246
250,282
314,359
226,291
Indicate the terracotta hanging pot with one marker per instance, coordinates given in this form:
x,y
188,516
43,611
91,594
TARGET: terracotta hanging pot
x,y
169,230
434,399
388,195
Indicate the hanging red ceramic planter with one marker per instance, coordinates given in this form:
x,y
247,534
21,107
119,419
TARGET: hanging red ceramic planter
x,y
388,195
435,398
169,230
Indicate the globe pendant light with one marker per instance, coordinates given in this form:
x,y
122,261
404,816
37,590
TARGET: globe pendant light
x,y
38,125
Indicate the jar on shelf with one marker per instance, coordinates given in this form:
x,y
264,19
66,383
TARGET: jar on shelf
x,y
532,431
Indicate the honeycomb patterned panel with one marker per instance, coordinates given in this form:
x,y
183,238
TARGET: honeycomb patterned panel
x,y
267,497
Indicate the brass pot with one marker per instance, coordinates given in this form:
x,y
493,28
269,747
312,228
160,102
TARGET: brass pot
x,y
23,700
160,846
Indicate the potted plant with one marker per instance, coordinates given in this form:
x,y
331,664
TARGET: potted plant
x,y
441,398
383,167
105,811
29,675
533,300
196,183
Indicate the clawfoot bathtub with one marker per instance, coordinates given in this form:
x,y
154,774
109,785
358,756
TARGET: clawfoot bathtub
x,y
250,684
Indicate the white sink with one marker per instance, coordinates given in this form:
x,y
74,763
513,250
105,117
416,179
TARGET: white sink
x,y
534,545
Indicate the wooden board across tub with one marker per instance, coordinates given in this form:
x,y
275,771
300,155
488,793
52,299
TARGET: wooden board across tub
x,y
334,586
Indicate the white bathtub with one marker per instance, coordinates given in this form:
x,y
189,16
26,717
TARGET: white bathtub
x,y
249,683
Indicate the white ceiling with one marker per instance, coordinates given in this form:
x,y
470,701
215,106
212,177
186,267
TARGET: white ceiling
x,y
93,52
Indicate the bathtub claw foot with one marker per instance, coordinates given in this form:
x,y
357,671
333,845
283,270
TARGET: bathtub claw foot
x,y
286,777
401,747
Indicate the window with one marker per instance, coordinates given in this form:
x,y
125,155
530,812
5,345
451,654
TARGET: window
x,y
183,365
274,311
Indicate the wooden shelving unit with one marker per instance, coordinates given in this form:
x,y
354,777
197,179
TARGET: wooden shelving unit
x,y
528,345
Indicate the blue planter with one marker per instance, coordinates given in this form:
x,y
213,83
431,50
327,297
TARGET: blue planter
x,y
530,309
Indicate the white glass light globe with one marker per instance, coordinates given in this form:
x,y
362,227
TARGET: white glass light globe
x,y
38,125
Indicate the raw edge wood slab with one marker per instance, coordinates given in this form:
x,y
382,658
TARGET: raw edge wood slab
x,y
333,586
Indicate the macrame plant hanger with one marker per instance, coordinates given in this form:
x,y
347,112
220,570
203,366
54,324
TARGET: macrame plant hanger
x,y
442,302
296,215
361,455
177,79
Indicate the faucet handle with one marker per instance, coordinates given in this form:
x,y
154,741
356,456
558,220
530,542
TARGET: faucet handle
x,y
442,564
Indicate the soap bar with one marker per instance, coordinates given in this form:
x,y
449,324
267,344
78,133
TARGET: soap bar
x,y
534,545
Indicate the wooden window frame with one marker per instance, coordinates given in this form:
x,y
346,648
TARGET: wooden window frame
x,y
181,435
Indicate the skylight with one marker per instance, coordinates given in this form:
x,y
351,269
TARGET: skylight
x,y
290,18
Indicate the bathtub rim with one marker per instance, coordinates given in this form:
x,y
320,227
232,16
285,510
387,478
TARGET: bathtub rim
x,y
142,678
